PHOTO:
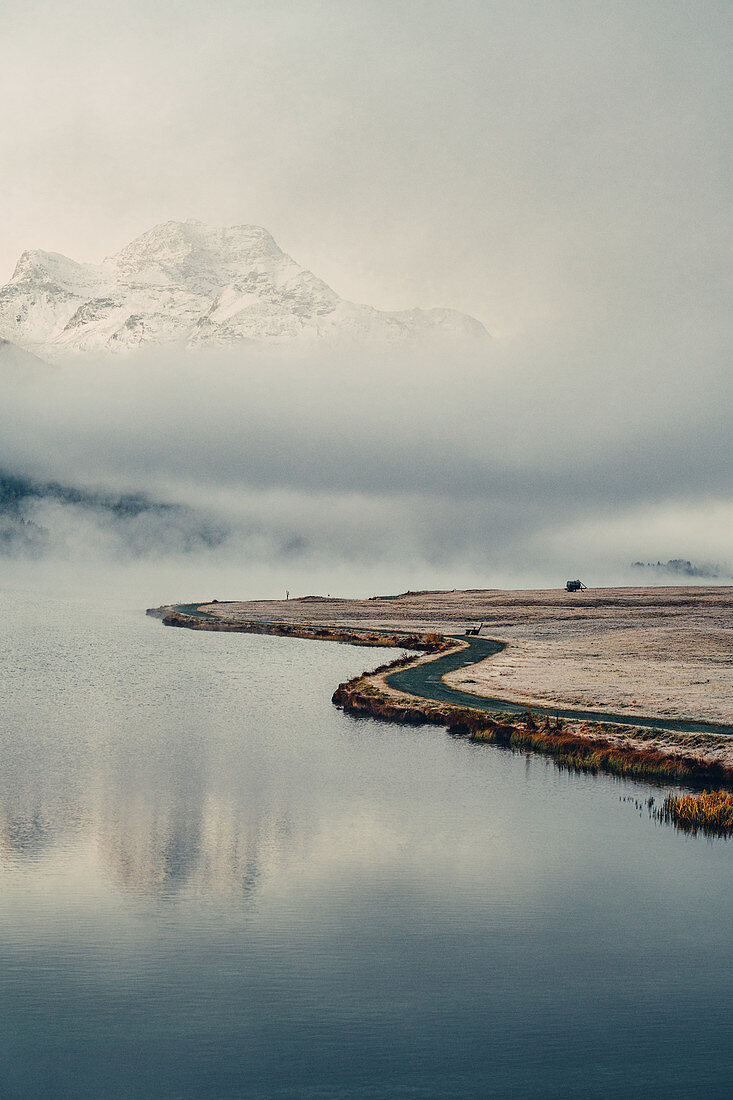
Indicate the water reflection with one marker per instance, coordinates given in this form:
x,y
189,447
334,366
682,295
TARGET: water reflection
x,y
152,839
213,886
211,846
25,836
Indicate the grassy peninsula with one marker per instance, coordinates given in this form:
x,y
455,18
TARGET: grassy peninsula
x,y
656,658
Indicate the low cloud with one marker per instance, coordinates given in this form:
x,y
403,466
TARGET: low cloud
x,y
499,465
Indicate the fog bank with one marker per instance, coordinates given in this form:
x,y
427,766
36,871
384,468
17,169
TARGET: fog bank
x,y
452,467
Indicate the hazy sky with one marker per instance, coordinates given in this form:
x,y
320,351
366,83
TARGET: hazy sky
x,y
561,170
530,162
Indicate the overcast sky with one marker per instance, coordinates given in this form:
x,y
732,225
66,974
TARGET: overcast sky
x,y
526,161
560,170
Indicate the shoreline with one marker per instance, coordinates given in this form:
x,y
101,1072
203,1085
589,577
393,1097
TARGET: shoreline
x,y
173,615
621,747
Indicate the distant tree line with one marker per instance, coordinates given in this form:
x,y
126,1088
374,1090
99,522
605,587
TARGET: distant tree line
x,y
679,567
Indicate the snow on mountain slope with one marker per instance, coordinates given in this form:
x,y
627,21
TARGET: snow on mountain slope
x,y
189,284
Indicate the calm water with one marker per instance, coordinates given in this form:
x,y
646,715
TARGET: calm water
x,y
214,884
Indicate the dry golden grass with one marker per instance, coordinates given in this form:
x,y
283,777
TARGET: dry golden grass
x,y
709,812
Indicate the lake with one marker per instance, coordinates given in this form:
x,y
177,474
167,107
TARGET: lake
x,y
216,884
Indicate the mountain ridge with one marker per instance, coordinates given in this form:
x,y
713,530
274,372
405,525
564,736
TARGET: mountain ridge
x,y
190,284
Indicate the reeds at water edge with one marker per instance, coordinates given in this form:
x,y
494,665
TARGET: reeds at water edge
x,y
709,812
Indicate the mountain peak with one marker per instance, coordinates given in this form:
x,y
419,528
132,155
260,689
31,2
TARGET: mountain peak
x,y
188,283
173,241
37,266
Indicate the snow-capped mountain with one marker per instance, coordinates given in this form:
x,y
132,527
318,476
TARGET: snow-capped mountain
x,y
185,284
